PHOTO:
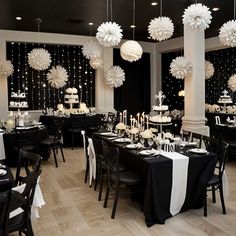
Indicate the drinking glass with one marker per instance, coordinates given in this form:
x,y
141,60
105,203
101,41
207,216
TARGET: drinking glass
x,y
150,142
142,141
110,126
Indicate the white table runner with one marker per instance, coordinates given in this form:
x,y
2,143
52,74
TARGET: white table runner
x,y
2,148
92,161
179,180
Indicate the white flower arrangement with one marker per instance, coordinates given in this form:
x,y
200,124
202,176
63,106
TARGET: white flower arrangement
x,y
232,82
197,17
161,28
109,34
209,70
154,130
168,135
57,77
6,69
114,76
180,67
228,33
39,59
96,63
146,134
131,51
92,49
134,131
120,126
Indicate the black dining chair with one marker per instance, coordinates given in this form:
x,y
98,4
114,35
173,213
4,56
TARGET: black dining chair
x,y
22,222
27,139
78,123
28,164
4,212
195,137
185,135
54,142
117,178
216,182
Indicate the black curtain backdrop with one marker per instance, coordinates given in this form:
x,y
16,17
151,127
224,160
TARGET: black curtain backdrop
x,y
34,83
224,62
170,85
134,94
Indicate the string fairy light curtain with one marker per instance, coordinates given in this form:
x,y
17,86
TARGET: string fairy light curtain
x,y
34,83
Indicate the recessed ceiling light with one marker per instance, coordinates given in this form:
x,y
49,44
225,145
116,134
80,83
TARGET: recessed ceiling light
x,y
132,26
18,18
215,9
154,3
90,23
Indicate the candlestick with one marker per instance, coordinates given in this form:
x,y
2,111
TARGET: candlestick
x,y
147,121
120,117
125,117
138,118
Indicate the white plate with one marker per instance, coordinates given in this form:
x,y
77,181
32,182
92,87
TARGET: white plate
x,y
146,152
191,144
2,172
131,146
198,151
122,140
2,166
108,134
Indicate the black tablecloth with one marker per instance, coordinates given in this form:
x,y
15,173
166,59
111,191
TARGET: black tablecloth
x,y
157,175
6,181
90,121
10,141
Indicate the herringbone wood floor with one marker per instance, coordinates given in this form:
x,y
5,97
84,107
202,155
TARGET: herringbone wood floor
x,y
73,210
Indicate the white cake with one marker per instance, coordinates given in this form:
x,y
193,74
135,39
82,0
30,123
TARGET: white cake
x,y
225,98
71,97
83,108
160,119
160,108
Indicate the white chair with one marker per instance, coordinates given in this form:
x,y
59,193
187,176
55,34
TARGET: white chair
x,y
86,158
92,161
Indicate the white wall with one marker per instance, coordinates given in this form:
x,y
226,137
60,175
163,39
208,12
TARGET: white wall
x,y
104,94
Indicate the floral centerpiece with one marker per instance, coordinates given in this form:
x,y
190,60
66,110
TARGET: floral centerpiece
x,y
120,126
146,134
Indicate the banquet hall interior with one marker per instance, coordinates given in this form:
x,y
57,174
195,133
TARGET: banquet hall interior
x,y
118,117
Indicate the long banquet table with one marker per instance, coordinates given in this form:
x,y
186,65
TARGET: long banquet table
x,y
157,176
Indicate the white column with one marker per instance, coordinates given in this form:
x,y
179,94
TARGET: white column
x,y
104,95
194,85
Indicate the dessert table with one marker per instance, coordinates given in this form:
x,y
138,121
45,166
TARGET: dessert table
x,y
164,193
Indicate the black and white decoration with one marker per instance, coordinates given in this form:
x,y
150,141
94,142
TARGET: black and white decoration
x,y
39,93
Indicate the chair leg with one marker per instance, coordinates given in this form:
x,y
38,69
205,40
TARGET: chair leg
x,y
115,202
86,172
106,197
222,198
213,194
98,175
101,186
205,203
62,154
55,157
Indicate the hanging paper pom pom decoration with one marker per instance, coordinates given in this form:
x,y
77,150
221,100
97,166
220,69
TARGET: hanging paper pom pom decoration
x,y
6,69
109,34
232,82
180,67
131,51
57,77
197,17
228,33
161,28
39,59
92,49
114,76
209,70
96,63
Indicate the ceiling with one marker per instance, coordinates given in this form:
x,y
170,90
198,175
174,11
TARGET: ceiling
x,y
73,16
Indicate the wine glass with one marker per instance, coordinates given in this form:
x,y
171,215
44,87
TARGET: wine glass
x,y
150,142
142,140
181,147
110,126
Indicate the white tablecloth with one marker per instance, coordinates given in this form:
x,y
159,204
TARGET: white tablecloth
x,y
2,148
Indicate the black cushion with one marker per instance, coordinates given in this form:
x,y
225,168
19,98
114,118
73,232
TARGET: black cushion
x,y
127,177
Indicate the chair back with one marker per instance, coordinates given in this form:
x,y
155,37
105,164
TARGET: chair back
x,y
111,117
27,137
85,146
28,161
111,156
58,124
220,148
78,121
217,119
195,137
98,147
4,212
186,135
